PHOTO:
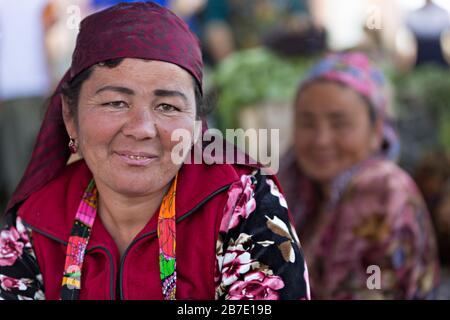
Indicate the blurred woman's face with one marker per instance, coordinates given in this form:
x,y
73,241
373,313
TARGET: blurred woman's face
x,y
333,130
126,116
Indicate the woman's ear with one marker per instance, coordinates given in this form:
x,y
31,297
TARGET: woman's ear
x,y
69,119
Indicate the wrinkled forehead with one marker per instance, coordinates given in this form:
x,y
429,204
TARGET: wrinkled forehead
x,y
330,99
145,72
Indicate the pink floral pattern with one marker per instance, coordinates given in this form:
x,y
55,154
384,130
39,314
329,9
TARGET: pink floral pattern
x,y
256,286
235,263
10,246
19,273
258,255
240,204
9,284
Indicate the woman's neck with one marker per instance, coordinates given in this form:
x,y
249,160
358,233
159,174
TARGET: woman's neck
x,y
124,216
325,191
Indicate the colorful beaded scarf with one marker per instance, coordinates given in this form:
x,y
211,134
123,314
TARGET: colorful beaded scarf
x,y
81,232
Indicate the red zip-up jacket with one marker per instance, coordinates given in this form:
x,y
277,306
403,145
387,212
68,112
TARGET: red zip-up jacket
x,y
210,261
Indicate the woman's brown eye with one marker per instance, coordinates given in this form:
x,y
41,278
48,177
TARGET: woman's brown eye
x,y
340,125
306,124
164,107
116,104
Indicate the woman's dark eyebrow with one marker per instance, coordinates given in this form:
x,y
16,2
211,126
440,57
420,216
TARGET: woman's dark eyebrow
x,y
124,90
170,93
305,114
157,92
337,115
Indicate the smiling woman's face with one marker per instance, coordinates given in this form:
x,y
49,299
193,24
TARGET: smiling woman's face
x,y
333,130
125,118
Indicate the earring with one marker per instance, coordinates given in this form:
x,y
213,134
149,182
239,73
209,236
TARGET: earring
x,y
73,145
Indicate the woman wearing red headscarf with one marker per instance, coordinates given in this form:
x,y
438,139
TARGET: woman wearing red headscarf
x,y
127,222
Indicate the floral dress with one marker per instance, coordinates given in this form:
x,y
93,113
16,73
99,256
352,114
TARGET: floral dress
x,y
258,254
20,278
373,240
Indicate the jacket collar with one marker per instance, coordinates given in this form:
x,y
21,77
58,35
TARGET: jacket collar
x,y
51,210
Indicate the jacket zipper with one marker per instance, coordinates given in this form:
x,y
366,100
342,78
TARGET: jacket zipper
x,y
122,260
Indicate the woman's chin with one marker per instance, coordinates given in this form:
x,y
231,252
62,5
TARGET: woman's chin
x,y
132,190
322,174
134,182
131,185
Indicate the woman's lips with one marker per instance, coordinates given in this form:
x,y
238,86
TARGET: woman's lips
x,y
138,159
322,160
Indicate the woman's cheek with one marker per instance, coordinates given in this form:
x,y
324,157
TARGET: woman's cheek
x,y
167,131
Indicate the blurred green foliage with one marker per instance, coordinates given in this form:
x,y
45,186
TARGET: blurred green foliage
x,y
253,76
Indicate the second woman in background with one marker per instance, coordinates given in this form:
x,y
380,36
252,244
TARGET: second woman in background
x,y
366,230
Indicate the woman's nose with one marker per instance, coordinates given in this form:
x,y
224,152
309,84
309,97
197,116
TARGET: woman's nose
x,y
140,124
324,136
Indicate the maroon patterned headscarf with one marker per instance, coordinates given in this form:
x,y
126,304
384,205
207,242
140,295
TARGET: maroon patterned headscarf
x,y
127,30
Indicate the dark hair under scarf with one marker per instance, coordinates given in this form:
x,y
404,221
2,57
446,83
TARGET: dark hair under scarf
x,y
127,30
